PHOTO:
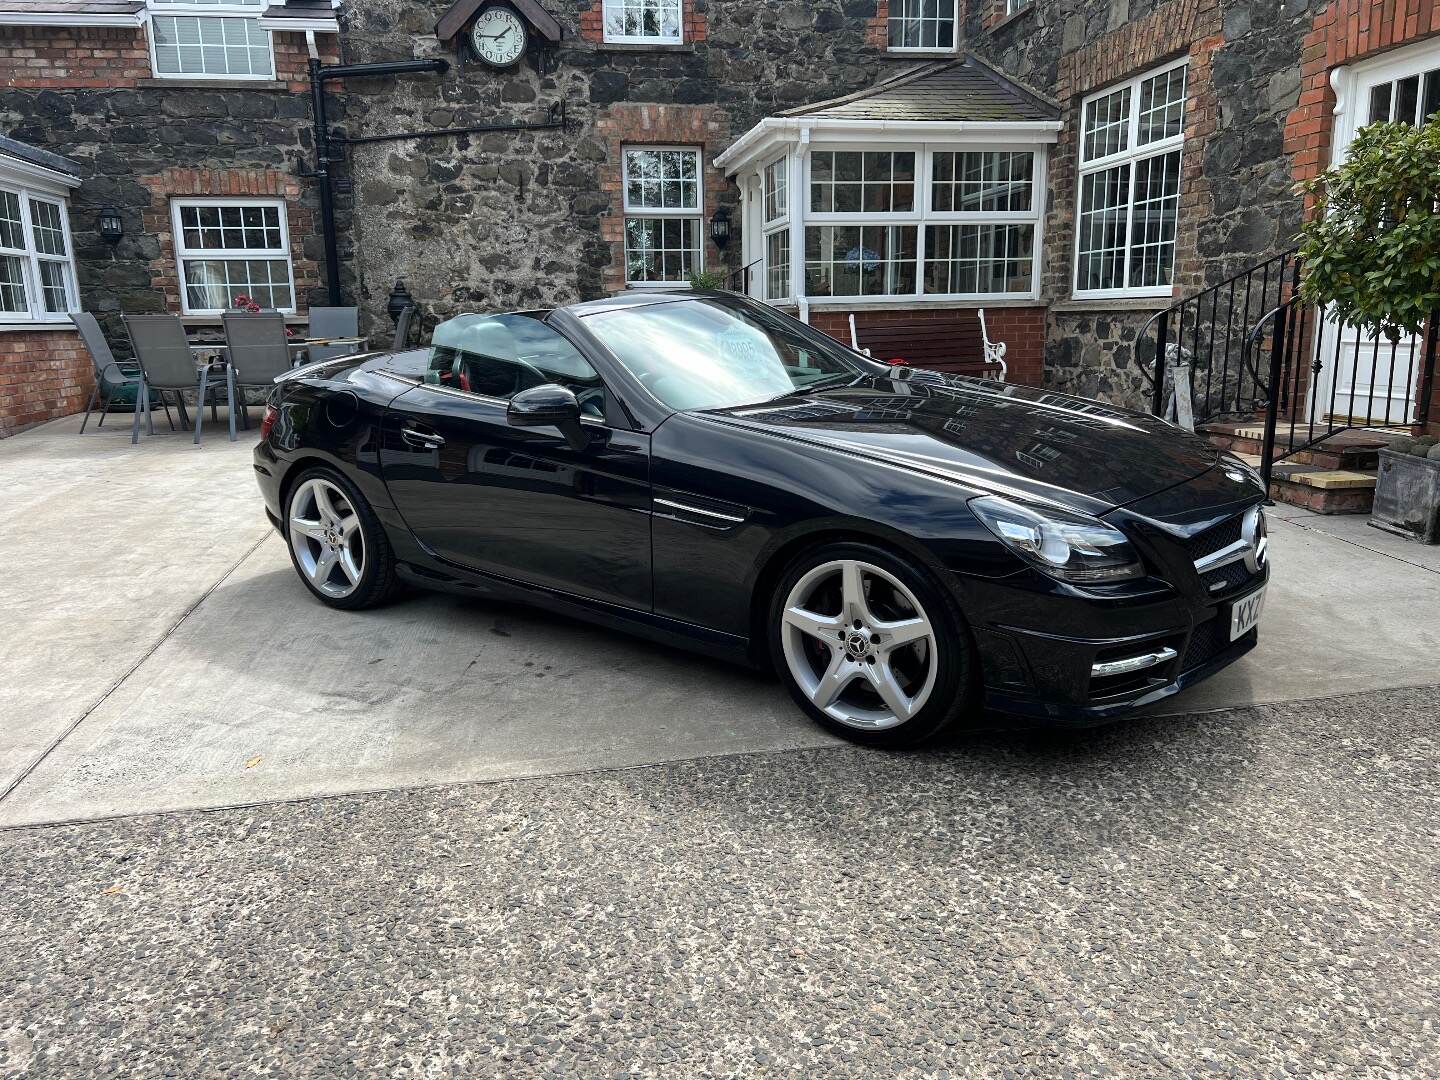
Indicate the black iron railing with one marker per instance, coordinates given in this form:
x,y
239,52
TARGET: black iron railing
x,y
739,280
1330,379
1209,332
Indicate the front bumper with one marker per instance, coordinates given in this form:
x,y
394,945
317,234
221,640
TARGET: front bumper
x,y
1042,644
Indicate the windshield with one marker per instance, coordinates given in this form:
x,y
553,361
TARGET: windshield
x,y
713,353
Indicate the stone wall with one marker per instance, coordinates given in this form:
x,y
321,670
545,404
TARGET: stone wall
x,y
1237,204
43,374
87,93
517,219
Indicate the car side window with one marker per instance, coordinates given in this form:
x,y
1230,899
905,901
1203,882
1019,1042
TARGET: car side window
x,y
498,356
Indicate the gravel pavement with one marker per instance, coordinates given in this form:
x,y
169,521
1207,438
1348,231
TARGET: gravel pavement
x,y
1250,893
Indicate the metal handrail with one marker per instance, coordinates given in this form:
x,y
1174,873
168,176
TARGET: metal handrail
x,y
742,275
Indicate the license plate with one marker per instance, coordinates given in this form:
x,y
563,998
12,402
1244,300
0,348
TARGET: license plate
x,y
1245,613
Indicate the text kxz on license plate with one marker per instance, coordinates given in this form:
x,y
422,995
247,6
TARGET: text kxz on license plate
x,y
1244,614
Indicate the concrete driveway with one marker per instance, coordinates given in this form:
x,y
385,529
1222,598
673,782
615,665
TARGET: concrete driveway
x,y
160,655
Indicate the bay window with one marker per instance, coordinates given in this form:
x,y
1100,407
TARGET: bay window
x,y
664,209
775,201
232,247
1131,141
916,221
37,266
210,39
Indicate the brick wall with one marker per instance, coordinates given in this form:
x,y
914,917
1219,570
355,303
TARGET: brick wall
x,y
1022,329
705,126
43,374
263,183
694,22
877,30
1343,32
59,58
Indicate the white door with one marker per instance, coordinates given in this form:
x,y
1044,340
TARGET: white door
x,y
1363,380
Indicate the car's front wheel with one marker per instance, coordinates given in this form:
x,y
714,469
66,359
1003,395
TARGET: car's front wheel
x,y
336,542
870,647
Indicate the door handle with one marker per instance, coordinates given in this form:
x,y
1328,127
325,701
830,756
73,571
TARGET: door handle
x,y
424,440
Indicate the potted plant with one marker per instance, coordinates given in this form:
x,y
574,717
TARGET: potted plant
x,y
1371,253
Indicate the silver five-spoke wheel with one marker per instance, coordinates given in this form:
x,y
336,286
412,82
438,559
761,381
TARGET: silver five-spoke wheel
x,y
859,644
326,537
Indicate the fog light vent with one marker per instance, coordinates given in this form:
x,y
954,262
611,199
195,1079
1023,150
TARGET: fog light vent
x,y
1132,664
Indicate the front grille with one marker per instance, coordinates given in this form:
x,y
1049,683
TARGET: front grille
x,y
1215,538
1209,640
1226,579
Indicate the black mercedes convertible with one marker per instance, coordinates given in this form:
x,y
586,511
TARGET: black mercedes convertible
x,y
909,551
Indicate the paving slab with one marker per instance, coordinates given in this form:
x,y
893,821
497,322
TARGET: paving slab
x,y
244,689
105,545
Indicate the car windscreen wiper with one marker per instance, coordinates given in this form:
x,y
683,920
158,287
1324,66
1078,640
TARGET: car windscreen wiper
x,y
819,384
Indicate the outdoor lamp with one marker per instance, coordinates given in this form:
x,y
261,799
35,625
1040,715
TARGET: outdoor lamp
x,y
720,227
400,299
110,224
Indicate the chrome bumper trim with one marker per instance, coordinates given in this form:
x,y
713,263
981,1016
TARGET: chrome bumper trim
x,y
1133,663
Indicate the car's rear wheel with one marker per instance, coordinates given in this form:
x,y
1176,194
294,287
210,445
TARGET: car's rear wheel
x,y
337,544
870,647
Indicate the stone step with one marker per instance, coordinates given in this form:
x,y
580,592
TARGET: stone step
x,y
1325,491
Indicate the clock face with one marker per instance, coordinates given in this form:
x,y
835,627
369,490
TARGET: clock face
x,y
498,36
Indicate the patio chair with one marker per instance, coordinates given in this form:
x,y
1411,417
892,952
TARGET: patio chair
x,y
334,322
166,363
259,352
402,327
116,383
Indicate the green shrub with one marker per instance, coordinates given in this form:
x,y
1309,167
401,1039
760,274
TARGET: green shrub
x,y
707,279
1434,454
1372,247
1421,447
1402,446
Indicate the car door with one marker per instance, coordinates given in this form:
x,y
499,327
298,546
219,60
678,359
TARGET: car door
x,y
521,503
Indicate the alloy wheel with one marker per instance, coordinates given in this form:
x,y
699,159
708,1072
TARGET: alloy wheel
x,y
859,644
327,539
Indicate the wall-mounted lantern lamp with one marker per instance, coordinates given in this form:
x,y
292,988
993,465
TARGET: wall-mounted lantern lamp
x,y
720,227
110,225
400,299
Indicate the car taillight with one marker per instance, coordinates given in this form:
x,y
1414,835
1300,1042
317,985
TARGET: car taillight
x,y
268,421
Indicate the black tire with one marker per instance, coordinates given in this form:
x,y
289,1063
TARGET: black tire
x,y
953,700
378,582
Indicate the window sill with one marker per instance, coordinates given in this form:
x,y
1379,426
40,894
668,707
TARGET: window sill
x,y
1114,303
871,303
920,54
1013,17
37,327
213,84
645,47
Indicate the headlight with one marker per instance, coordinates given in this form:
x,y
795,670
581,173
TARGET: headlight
x,y
1239,464
1071,547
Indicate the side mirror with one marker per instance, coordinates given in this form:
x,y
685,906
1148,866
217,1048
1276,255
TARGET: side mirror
x,y
550,405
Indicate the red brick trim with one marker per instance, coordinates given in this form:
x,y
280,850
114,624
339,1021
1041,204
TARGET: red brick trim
x,y
1345,31
705,126
877,29
694,22
53,58
43,374
261,183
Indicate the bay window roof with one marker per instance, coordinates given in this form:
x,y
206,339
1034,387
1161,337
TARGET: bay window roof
x,y
965,89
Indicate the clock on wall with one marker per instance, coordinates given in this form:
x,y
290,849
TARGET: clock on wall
x,y
499,36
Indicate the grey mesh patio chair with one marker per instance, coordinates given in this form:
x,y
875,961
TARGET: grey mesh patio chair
x,y
166,363
334,322
402,327
116,382
258,351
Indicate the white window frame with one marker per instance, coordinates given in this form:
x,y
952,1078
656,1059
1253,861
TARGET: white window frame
x,y
923,214
183,253
780,223
1012,6
942,50
698,212
31,258
191,9
1132,155
640,39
